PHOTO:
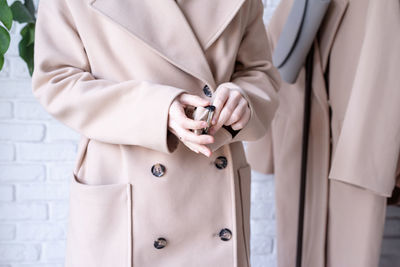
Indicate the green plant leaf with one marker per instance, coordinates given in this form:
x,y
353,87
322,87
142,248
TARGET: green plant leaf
x,y
21,13
4,40
5,14
26,46
28,32
1,61
30,6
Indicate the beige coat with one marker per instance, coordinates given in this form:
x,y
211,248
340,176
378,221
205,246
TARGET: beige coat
x,y
110,70
360,42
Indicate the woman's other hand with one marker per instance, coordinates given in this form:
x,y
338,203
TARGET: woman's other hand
x,y
231,109
180,125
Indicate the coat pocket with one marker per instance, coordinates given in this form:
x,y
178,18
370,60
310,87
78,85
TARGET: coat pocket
x,y
100,225
245,191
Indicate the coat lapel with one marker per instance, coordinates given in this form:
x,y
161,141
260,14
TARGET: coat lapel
x,y
329,28
209,23
162,25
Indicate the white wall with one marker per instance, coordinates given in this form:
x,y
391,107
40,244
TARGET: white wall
x,y
36,158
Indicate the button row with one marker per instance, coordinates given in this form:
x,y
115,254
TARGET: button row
x,y
158,170
225,235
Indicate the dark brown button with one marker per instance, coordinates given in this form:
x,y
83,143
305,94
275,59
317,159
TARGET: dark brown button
x,y
158,170
207,91
221,162
160,243
225,234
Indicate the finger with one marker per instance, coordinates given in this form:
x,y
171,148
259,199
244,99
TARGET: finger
x,y
205,151
243,121
178,117
188,136
192,146
187,123
176,110
230,106
237,113
193,100
233,99
173,126
199,148
221,97
221,121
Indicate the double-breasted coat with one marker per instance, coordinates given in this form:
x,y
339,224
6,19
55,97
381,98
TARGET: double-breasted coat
x,y
354,134
110,70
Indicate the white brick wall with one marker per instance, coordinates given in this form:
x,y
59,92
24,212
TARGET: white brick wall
x,y
36,158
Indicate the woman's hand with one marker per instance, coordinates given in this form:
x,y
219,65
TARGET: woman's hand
x,y
180,125
231,109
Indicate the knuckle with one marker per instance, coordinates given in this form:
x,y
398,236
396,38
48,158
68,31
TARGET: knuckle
x,y
180,122
185,123
235,117
182,97
240,124
236,94
228,110
222,89
222,92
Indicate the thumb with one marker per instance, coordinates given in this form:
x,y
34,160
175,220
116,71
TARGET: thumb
x,y
194,100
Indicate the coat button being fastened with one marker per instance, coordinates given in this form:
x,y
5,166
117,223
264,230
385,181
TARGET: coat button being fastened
x,y
158,170
207,91
221,162
225,234
160,243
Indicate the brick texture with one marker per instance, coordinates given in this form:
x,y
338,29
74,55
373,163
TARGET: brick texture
x,y
36,158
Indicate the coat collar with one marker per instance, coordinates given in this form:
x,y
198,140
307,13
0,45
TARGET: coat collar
x,y
162,25
329,28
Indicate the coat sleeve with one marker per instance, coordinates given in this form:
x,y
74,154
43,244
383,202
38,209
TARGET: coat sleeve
x,y
100,109
368,148
260,154
255,77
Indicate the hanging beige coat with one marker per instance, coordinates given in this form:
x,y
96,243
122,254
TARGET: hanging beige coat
x,y
360,42
110,70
